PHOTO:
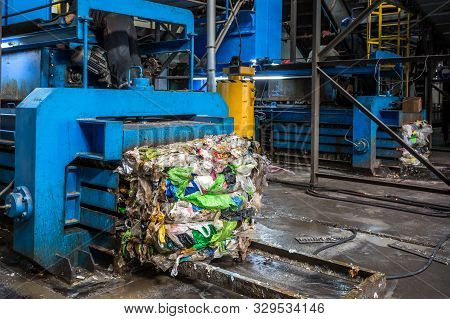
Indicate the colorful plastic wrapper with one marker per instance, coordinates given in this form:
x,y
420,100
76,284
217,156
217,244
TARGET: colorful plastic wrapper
x,y
417,136
190,201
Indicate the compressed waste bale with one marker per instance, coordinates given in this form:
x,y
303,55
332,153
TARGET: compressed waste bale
x,y
417,136
190,201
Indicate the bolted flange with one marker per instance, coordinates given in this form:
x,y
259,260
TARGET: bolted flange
x,y
21,204
361,145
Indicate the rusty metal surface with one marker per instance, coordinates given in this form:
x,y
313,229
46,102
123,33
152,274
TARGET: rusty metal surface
x,y
235,282
272,272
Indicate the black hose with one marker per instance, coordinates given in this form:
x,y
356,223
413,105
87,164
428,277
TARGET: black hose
x,y
433,213
342,241
426,266
386,198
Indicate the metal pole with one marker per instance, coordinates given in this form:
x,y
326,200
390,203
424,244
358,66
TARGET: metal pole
x,y
229,22
211,44
191,62
293,55
386,128
227,8
315,87
85,22
234,11
352,26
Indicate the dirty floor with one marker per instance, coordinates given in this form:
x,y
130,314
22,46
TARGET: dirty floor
x,y
288,213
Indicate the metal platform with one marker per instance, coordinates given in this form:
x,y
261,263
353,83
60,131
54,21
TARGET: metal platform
x,y
272,272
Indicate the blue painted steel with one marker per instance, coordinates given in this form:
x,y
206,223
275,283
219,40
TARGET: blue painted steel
x,y
290,126
53,127
98,198
7,159
99,177
14,6
365,130
140,8
22,72
165,133
91,125
76,33
260,30
85,21
73,194
6,176
97,220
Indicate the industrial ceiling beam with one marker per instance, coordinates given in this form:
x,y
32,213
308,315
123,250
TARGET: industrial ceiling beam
x,y
352,26
293,33
204,3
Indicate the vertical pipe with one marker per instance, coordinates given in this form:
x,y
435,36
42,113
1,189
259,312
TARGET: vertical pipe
x,y
227,9
293,38
315,105
191,63
211,44
85,51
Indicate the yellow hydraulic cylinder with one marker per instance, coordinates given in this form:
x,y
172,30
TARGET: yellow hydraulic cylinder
x,y
238,91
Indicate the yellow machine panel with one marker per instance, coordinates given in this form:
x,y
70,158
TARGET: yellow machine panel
x,y
239,94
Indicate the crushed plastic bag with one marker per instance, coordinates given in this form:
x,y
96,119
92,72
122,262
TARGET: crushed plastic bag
x,y
416,135
190,201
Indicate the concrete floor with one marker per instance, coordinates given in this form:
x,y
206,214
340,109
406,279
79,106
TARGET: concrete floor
x,y
287,213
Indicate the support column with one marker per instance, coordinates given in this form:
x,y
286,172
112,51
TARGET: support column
x,y
293,34
315,87
211,44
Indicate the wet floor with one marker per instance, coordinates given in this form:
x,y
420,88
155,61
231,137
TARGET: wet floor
x,y
288,213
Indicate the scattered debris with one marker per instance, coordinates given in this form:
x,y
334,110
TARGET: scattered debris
x,y
191,201
353,272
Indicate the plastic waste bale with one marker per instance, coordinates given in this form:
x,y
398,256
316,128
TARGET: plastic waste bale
x,y
417,136
190,201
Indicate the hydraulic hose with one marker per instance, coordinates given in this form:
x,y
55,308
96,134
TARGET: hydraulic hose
x,y
426,266
8,187
342,241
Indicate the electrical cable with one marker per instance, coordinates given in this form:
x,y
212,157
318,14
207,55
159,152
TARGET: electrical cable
x,y
394,84
10,185
426,266
347,140
262,93
340,242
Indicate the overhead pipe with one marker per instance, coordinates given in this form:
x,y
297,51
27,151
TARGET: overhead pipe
x,y
211,44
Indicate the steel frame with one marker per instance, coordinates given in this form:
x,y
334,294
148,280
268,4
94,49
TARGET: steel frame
x,y
315,112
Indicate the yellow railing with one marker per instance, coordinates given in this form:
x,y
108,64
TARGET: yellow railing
x,y
388,28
